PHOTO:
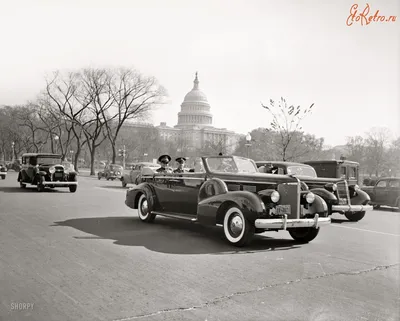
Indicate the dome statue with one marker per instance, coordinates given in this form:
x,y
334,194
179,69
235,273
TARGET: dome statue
x,y
195,109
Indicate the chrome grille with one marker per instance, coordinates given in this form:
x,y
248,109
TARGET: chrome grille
x,y
343,193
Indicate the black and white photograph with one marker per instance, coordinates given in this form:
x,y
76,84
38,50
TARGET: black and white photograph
x,y
213,160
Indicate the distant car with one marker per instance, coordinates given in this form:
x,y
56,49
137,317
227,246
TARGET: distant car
x,y
3,171
46,170
341,197
111,171
229,191
131,177
386,191
343,169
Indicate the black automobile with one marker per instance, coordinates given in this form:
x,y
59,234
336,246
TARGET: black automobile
x,y
46,170
341,197
111,171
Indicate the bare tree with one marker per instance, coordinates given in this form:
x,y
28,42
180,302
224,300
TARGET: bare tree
x,y
286,122
133,96
376,142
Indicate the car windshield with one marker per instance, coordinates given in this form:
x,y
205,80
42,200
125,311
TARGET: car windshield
x,y
48,160
233,164
302,171
115,167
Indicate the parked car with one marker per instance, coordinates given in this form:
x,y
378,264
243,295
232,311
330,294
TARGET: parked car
x,y
111,171
46,170
229,191
131,177
386,191
341,197
3,171
15,165
343,169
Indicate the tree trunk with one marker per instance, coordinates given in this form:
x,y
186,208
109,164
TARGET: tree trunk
x,y
77,154
114,153
92,159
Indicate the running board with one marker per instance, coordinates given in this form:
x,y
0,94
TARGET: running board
x,y
177,216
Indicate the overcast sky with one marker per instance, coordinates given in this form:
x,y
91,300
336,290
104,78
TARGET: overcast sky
x,y
246,52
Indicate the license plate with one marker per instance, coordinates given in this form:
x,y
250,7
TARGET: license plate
x,y
343,201
283,209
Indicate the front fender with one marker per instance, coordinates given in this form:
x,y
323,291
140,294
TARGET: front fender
x,y
327,196
319,206
211,210
133,194
360,198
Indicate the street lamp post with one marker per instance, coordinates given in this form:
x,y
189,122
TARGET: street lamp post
x,y
13,151
248,144
56,138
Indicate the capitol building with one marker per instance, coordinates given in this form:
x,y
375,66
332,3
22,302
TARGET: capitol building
x,y
194,130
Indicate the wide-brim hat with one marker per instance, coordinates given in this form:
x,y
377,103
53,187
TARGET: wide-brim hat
x,y
164,156
179,159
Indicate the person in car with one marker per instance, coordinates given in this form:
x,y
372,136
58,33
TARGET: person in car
x,y
164,161
181,163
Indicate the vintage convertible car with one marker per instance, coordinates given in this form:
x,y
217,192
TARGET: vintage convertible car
x,y
132,176
341,197
46,170
229,191
3,171
111,171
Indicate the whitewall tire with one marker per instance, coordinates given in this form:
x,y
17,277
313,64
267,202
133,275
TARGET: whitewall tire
x,y
144,210
237,229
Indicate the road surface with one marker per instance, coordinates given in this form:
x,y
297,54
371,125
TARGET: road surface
x,y
86,256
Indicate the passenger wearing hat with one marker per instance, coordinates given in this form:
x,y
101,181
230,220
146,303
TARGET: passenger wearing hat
x,y
164,161
181,161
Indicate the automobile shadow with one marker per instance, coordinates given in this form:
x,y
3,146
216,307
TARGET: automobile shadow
x,y
113,186
29,190
169,236
387,209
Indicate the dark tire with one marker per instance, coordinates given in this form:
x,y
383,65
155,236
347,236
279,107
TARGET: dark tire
x,y
376,207
3,177
99,177
237,229
354,217
40,187
304,234
123,183
144,211
22,185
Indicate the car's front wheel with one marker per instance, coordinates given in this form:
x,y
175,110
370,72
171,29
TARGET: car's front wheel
x,y
237,229
304,234
354,217
3,177
123,183
22,185
144,211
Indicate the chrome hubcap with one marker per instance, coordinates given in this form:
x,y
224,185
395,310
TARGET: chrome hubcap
x,y
144,207
236,225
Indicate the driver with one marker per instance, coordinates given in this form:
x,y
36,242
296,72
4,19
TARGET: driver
x,y
164,161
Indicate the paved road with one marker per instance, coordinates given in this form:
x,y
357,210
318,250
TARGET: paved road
x,y
86,256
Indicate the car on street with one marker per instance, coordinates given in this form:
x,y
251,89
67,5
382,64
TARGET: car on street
x,y
229,191
386,191
342,168
340,196
111,171
46,170
133,174
3,171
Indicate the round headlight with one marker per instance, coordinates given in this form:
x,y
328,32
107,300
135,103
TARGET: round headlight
x,y
356,187
275,197
310,197
334,187
52,170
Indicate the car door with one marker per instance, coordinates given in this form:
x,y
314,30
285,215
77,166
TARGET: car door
x,y
380,191
393,191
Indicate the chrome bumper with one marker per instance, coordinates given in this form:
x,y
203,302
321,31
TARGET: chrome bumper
x,y
60,183
351,208
285,223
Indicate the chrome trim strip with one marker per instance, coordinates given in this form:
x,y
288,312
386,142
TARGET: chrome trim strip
x,y
352,208
282,224
59,183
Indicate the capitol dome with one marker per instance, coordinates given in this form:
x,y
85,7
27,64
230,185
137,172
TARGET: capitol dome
x,y
195,109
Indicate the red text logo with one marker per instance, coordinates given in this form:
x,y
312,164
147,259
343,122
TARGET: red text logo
x,y
366,16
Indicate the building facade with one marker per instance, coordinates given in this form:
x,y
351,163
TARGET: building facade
x,y
194,130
